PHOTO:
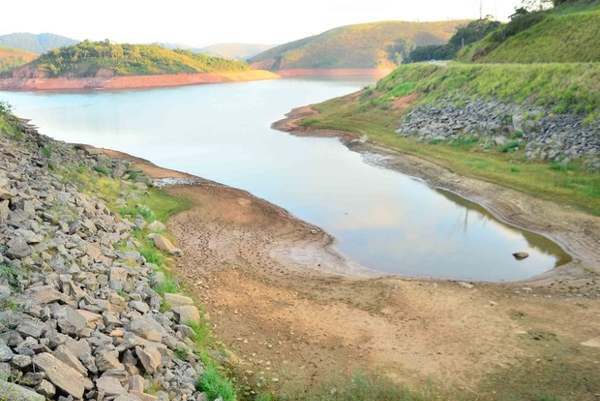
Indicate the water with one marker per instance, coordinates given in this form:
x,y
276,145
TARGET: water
x,y
382,219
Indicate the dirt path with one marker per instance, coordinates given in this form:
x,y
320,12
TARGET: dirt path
x,y
273,292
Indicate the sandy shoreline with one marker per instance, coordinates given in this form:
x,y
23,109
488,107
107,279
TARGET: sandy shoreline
x,y
131,82
576,232
273,292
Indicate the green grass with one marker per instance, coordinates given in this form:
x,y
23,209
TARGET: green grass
x,y
569,87
359,387
566,34
86,59
215,385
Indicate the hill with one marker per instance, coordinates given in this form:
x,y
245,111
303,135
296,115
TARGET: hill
x,y
104,59
372,45
568,33
11,58
237,51
40,43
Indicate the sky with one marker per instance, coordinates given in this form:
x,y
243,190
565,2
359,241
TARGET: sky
x,y
200,23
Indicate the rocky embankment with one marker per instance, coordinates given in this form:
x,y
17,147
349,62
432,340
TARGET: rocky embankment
x,y
543,135
79,316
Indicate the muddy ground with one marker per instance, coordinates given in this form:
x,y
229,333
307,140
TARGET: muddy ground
x,y
294,313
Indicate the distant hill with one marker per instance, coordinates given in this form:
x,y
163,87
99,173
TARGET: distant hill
x,y
372,45
40,43
11,58
104,59
238,51
568,33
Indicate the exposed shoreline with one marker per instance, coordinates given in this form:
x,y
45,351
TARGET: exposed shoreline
x,y
376,73
576,232
281,300
132,82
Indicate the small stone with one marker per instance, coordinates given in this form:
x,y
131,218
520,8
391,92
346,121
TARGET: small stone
x,y
592,343
21,361
136,384
46,389
164,244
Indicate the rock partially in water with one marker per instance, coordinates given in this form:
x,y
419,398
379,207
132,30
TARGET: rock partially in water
x,y
521,255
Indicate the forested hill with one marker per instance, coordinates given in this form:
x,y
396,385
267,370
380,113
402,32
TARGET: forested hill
x,y
103,59
11,58
371,45
35,43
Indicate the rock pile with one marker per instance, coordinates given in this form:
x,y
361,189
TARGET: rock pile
x,y
543,135
79,318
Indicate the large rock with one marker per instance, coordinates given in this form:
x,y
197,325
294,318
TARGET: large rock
x,y
14,392
44,294
186,313
110,385
65,355
156,226
147,328
6,353
70,321
18,248
164,244
178,300
149,357
60,374
108,360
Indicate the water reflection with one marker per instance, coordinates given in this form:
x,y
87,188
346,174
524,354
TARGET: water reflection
x,y
383,219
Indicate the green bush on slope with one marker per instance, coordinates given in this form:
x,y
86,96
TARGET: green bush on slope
x,y
87,58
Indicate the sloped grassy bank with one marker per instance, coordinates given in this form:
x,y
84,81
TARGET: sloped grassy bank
x,y
546,89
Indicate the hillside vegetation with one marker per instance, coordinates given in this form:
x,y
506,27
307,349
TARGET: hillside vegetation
x,y
237,51
377,111
90,59
11,58
568,33
372,45
40,43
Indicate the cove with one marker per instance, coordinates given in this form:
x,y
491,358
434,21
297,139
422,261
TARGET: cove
x,y
382,219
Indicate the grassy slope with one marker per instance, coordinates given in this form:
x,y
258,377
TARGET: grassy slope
x,y
571,87
87,58
566,34
11,58
354,46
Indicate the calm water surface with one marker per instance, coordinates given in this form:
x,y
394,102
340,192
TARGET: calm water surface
x,y
382,219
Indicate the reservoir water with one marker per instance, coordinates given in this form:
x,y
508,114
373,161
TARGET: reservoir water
x,y
382,219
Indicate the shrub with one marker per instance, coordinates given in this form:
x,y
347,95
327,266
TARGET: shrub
x,y
215,385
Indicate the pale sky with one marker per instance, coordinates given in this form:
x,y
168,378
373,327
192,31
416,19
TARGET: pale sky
x,y
201,22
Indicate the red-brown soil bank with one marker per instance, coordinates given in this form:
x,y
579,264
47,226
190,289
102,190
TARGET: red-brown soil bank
x,y
334,72
132,81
